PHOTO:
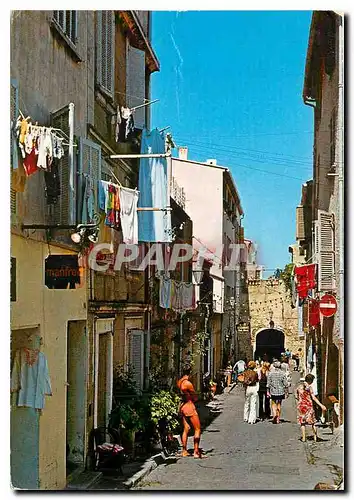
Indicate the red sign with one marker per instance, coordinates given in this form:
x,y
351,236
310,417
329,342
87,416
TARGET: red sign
x,y
328,305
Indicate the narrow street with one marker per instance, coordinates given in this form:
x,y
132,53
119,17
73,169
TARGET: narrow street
x,y
245,457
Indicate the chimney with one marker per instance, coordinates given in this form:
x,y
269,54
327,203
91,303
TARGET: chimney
x,y
211,161
183,153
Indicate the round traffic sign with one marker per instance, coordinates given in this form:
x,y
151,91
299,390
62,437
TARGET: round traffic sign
x,y
328,305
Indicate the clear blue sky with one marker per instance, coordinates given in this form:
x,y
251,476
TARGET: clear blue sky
x,y
230,87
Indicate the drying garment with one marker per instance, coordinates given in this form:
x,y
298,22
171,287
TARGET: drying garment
x,y
165,292
62,272
19,177
125,128
118,122
187,296
177,296
52,184
154,226
305,279
30,378
103,195
113,207
30,163
88,202
58,150
129,215
45,149
314,313
23,127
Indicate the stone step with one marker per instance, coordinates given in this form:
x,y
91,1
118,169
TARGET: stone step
x,y
83,481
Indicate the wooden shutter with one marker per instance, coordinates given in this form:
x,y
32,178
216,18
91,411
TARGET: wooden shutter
x,y
300,223
90,164
325,251
13,118
136,356
105,50
136,83
62,209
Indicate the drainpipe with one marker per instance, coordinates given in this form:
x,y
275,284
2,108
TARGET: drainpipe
x,y
72,200
340,222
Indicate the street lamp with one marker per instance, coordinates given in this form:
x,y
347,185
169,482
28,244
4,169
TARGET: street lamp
x,y
198,276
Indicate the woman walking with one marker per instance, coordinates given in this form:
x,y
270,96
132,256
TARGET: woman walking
x,y
264,401
306,413
250,383
277,384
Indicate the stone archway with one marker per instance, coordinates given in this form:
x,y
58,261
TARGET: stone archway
x,y
269,341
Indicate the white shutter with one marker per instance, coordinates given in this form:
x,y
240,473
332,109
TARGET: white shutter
x,y
136,356
90,164
105,50
135,88
13,118
325,247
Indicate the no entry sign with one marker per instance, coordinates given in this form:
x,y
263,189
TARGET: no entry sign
x,y
328,305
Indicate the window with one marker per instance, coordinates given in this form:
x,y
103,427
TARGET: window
x,y
258,274
67,21
105,50
135,86
90,170
324,251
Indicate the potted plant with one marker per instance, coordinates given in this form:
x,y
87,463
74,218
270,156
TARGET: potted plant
x,y
164,407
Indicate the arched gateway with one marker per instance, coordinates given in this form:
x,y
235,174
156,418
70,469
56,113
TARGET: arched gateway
x,y
269,341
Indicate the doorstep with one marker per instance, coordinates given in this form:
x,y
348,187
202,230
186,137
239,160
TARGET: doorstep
x,y
82,480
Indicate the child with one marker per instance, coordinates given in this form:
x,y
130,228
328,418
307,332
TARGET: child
x,y
306,413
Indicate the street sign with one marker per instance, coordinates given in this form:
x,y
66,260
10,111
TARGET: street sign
x,y
328,305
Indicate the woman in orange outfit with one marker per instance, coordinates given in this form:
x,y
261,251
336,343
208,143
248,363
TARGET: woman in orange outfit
x,y
189,413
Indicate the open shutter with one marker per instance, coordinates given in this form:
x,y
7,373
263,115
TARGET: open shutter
x,y
90,165
300,223
136,83
136,356
105,32
62,210
13,118
325,247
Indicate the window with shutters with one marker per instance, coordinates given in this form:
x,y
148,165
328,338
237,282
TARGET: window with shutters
x,y
89,175
105,49
67,22
300,223
136,356
135,86
13,159
60,212
324,249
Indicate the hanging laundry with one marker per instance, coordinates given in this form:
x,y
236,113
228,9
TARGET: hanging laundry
x,y
113,207
125,126
187,296
19,178
30,378
88,203
45,149
52,183
22,127
165,292
305,279
129,215
118,122
314,313
30,163
154,226
176,296
103,195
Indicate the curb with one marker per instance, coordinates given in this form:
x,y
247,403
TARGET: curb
x,y
148,467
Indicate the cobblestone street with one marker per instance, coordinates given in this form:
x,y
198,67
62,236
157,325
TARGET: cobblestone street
x,y
247,457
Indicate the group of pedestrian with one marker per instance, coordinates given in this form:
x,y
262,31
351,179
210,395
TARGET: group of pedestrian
x,y
268,384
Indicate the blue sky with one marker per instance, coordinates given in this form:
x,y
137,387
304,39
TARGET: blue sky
x,y
230,87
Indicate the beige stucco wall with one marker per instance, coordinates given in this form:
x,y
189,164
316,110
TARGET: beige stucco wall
x,y
51,310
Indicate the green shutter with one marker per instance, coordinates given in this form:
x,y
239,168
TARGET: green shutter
x,y
136,356
105,50
61,210
13,117
90,164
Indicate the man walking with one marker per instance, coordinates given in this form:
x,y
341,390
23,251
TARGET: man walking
x,y
277,386
239,368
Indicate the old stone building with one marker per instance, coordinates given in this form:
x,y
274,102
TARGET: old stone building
x,y
274,323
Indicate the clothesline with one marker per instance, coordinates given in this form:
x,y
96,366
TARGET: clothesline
x,y
38,127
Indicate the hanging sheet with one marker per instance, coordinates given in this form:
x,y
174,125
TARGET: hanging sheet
x,y
154,226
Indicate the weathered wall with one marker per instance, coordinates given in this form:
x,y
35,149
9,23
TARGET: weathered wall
x,y
50,310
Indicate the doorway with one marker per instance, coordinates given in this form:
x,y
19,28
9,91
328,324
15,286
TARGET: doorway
x,y
75,395
270,342
103,371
